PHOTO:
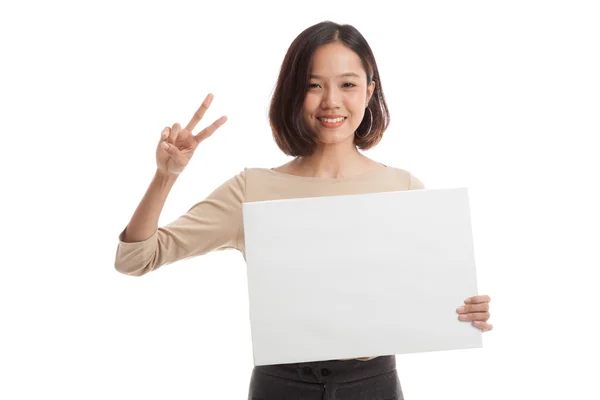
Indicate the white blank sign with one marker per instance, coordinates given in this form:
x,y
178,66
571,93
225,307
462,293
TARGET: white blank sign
x,y
359,275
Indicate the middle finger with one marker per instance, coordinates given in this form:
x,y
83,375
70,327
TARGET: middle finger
x,y
467,308
199,113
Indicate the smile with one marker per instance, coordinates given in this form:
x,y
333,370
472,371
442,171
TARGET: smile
x,y
332,120
332,123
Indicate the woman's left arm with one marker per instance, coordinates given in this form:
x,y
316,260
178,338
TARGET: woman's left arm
x,y
476,309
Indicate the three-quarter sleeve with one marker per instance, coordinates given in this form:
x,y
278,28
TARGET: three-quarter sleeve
x,y
212,224
415,183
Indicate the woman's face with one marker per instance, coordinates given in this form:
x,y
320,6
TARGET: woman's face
x,y
338,92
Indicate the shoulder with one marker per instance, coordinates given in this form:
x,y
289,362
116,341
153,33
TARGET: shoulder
x,y
406,178
249,177
233,188
256,172
250,173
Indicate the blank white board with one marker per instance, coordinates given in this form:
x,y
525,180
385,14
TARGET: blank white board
x,y
359,275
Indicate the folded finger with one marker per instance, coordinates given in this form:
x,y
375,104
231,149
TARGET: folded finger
x,y
469,308
484,326
174,132
483,316
478,299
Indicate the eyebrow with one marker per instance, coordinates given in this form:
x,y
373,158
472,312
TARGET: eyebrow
x,y
347,74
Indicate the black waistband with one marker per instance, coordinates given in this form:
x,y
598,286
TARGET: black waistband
x,y
339,371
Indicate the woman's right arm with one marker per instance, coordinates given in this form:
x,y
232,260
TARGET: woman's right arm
x,y
214,223
144,221
143,246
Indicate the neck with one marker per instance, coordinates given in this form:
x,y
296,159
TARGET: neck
x,y
332,162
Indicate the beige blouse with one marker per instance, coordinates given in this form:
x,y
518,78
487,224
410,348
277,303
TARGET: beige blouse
x,y
216,223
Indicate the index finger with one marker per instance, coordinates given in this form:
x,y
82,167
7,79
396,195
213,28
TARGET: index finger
x,y
478,299
209,130
200,112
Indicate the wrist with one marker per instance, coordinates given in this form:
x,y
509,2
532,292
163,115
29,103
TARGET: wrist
x,y
165,177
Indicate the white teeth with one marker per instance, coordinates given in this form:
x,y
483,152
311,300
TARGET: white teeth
x,y
332,121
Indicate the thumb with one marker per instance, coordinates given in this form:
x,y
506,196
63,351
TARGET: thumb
x,y
175,153
169,148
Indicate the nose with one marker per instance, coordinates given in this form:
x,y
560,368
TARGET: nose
x,y
330,99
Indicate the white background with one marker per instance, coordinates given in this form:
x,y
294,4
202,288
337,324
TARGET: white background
x,y
499,97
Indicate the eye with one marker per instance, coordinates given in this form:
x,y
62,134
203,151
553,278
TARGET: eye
x,y
348,83
312,85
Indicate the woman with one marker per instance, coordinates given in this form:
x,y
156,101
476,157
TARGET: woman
x,y
328,104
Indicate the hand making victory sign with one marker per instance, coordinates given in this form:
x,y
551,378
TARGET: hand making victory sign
x,y
177,145
476,309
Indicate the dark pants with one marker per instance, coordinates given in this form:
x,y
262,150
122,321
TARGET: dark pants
x,y
376,379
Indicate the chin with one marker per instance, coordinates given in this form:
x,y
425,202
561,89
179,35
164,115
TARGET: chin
x,y
335,137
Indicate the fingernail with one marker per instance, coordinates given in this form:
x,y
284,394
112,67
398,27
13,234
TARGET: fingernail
x,y
462,316
461,309
467,300
477,322
165,145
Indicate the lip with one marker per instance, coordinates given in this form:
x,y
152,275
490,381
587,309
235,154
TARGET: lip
x,y
332,125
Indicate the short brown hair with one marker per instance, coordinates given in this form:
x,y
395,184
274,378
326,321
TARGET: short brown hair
x,y
285,111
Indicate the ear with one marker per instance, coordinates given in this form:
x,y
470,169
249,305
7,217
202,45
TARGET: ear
x,y
370,91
